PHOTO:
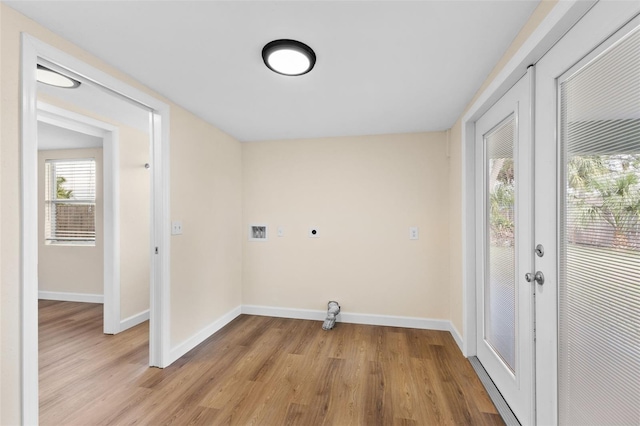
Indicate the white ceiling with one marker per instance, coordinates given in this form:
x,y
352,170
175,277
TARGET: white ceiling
x,y
383,66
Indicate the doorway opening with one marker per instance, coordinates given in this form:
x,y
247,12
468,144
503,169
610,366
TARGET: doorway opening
x,y
63,134
35,52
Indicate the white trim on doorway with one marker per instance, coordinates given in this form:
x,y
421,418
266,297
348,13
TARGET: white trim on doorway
x,y
134,320
34,50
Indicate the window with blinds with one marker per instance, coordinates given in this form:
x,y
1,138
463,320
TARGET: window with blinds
x,y
70,201
599,286
500,290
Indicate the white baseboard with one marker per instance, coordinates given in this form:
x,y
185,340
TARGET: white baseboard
x,y
270,311
71,297
369,319
456,336
396,321
202,335
134,320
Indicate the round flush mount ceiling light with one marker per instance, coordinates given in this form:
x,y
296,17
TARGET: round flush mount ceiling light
x,y
288,57
53,78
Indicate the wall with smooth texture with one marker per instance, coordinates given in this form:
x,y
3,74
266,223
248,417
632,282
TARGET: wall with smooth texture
x,y
206,195
363,194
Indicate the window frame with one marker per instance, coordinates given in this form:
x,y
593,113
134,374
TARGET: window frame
x,y
51,199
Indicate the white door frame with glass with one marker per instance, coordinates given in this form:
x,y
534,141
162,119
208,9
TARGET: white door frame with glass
x,y
504,247
572,35
588,366
557,22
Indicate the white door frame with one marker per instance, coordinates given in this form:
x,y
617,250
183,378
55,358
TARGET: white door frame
x,y
33,50
111,200
517,385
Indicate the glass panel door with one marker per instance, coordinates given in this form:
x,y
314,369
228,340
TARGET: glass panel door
x,y
504,332
587,143
599,265
499,295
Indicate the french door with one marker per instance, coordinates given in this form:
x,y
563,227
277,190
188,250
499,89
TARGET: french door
x,y
587,216
558,229
505,235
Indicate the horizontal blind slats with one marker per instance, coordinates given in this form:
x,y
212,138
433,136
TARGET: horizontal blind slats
x,y
71,196
499,327
599,287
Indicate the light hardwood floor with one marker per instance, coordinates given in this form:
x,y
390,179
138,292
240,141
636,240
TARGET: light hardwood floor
x,y
256,370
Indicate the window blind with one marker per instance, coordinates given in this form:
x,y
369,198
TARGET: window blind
x,y
499,289
70,187
599,286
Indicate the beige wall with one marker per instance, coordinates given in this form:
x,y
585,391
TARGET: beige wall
x,y
135,214
206,195
455,169
70,268
210,249
363,193
455,228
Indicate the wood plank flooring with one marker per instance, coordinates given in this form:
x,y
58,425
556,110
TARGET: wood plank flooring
x,y
258,371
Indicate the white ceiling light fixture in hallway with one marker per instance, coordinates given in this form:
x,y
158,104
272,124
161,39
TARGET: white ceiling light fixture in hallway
x,y
53,78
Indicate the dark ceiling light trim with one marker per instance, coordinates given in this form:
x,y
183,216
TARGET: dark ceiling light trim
x,y
54,78
288,57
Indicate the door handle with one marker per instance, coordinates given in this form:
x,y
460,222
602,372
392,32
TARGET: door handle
x,y
538,277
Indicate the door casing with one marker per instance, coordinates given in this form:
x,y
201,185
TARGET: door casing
x,y
32,51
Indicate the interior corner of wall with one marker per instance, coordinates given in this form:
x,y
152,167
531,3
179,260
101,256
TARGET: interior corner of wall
x,y
448,143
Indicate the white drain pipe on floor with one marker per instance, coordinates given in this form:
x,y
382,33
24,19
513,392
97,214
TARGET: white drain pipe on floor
x,y
333,309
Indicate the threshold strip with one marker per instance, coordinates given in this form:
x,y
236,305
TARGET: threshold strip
x,y
496,397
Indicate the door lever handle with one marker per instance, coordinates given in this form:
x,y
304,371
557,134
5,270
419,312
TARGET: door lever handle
x,y
538,277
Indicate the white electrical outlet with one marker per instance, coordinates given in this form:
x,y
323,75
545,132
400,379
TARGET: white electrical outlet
x,y
280,231
413,233
176,227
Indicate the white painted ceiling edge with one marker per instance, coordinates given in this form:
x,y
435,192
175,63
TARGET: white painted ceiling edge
x,y
383,66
